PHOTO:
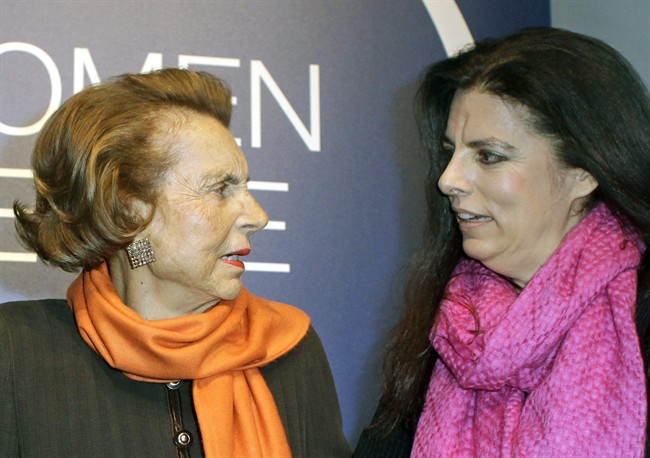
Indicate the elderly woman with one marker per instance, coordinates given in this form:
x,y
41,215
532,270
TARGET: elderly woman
x,y
158,350
519,339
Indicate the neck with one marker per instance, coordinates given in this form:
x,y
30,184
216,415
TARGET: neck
x,y
139,290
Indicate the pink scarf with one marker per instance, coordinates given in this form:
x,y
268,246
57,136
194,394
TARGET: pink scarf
x,y
555,371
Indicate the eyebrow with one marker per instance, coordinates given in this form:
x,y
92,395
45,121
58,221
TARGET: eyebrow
x,y
490,142
222,177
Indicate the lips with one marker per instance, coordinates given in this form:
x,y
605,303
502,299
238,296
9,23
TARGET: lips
x,y
233,258
464,216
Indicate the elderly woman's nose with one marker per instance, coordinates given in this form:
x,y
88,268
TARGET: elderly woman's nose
x,y
253,216
454,179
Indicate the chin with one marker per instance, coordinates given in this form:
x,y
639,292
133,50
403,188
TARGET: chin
x,y
488,258
475,249
230,292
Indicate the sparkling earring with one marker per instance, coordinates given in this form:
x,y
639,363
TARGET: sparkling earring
x,y
140,253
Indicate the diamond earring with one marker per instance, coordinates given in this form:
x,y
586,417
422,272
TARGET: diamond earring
x,y
140,253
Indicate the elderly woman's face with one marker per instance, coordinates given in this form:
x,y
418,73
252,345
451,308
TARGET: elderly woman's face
x,y
204,216
512,201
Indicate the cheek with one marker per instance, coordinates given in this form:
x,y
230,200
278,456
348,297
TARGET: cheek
x,y
193,227
195,215
213,223
505,193
529,200
175,230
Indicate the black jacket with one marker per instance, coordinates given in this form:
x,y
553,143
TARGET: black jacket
x,y
58,398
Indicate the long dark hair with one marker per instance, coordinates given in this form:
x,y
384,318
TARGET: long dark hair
x,y
580,93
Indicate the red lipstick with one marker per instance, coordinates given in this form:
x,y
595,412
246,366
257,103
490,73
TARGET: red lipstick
x,y
233,258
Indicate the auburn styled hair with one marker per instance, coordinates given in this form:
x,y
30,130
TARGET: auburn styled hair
x,y
99,157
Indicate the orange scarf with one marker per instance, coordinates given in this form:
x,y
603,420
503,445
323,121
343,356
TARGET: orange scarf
x,y
220,350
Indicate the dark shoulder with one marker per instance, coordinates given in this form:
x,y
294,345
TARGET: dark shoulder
x,y
36,313
39,325
308,354
303,388
394,444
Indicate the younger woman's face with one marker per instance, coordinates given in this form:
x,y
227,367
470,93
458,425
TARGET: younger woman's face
x,y
512,201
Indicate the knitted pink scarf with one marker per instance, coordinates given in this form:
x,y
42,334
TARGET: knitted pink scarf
x,y
555,371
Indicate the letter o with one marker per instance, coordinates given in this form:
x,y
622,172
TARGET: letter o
x,y
55,83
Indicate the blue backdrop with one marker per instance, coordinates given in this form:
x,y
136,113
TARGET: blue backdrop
x,y
323,111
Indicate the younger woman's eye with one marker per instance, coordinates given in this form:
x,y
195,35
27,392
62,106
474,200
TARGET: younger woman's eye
x,y
488,157
447,149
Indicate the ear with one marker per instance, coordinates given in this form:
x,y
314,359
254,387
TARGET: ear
x,y
584,183
141,210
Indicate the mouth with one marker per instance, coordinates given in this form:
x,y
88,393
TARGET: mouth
x,y
233,258
464,216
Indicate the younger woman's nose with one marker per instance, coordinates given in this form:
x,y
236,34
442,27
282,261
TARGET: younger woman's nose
x,y
454,179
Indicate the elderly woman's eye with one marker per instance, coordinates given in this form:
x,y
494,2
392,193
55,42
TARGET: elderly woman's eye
x,y
221,188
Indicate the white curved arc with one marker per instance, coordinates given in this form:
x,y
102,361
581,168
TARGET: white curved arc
x,y
450,24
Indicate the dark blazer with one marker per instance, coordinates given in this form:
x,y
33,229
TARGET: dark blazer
x,y
58,398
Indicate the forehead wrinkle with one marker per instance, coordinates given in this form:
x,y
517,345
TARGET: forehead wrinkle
x,y
460,121
224,175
